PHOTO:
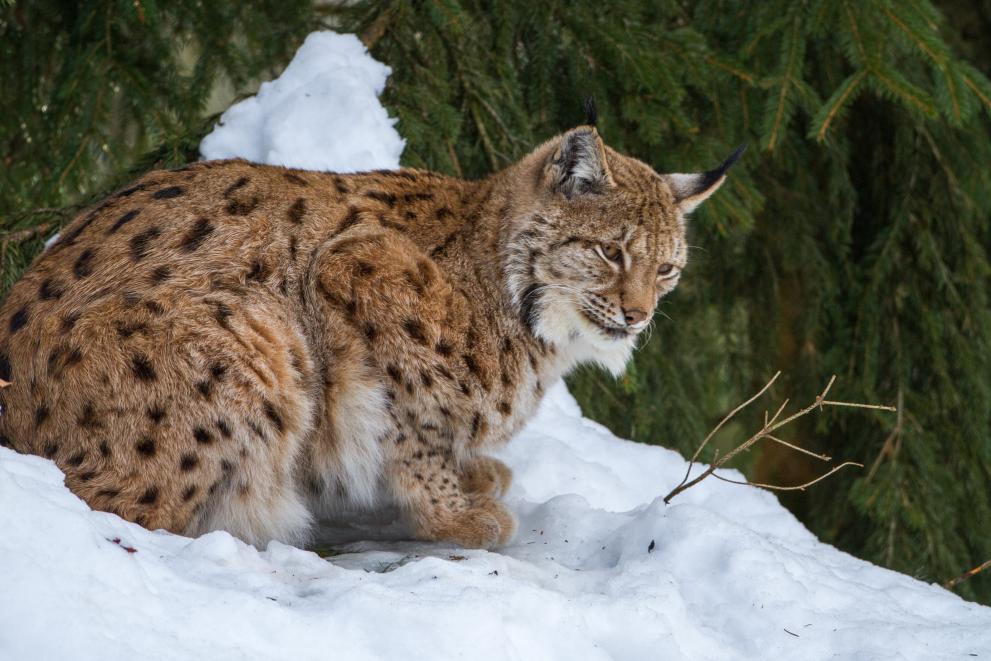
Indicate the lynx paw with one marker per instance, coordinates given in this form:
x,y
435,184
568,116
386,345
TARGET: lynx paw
x,y
486,476
484,524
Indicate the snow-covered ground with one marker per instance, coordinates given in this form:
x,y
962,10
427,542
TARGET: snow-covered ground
x,y
600,569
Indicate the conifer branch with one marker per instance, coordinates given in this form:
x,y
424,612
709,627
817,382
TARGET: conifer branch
x,y
771,424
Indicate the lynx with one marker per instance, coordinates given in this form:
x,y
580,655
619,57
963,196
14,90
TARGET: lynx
x,y
245,347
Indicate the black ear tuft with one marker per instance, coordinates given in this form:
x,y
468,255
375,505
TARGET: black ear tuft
x,y
712,176
591,114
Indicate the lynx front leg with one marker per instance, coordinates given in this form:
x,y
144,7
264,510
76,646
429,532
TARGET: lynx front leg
x,y
442,509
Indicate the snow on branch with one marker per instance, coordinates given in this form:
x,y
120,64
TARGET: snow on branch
x,y
771,425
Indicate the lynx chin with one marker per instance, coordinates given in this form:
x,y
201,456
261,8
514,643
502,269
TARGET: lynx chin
x,y
249,348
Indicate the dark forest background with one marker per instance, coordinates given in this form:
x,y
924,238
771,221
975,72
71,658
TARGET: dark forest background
x,y
852,239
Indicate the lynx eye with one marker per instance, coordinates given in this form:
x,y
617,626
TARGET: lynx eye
x,y
610,252
665,270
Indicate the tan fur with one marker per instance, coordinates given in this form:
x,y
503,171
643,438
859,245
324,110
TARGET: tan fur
x,y
247,347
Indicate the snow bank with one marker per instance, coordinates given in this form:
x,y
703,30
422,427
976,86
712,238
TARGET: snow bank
x,y
601,569
322,113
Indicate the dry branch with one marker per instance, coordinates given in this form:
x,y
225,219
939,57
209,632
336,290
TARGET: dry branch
x,y
771,425
950,584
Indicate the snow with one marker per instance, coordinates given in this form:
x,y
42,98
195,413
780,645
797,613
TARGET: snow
x,y
322,113
600,568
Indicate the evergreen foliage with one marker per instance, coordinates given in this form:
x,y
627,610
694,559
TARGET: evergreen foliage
x,y
97,90
851,239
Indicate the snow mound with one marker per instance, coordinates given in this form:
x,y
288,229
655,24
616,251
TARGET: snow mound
x,y
322,113
601,569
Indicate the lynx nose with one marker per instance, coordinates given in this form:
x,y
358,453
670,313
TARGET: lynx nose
x,y
634,316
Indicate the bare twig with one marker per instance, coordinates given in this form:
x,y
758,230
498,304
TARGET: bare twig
x,y
771,424
950,584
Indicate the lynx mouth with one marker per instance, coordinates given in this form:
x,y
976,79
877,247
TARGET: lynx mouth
x,y
610,331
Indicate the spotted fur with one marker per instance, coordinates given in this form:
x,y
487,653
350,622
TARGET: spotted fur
x,y
245,347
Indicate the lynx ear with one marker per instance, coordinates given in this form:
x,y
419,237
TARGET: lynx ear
x,y
690,190
578,165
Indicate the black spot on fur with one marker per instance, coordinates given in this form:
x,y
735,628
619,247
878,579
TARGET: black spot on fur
x,y
205,388
126,330
342,188
350,220
218,371
426,379
18,320
188,494
49,290
124,220
476,423
188,462
88,419
127,192
104,449
364,268
472,364
146,447
87,476
160,274
84,264
297,211
77,459
417,197
386,198
50,449
240,183
416,330
221,313
442,213
70,238
156,414
154,307
168,193
394,373
242,207
141,243
5,369
69,321
40,415
259,271
505,408
295,179
149,496
142,368
224,428
444,348
202,436
273,415
370,331
196,235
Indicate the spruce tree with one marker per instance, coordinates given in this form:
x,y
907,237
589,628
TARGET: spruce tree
x,y
852,239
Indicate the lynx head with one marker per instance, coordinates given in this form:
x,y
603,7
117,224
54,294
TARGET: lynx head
x,y
599,240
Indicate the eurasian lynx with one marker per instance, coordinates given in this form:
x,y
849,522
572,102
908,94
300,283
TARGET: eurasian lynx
x,y
236,346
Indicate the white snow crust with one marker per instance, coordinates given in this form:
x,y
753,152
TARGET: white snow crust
x,y
600,568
